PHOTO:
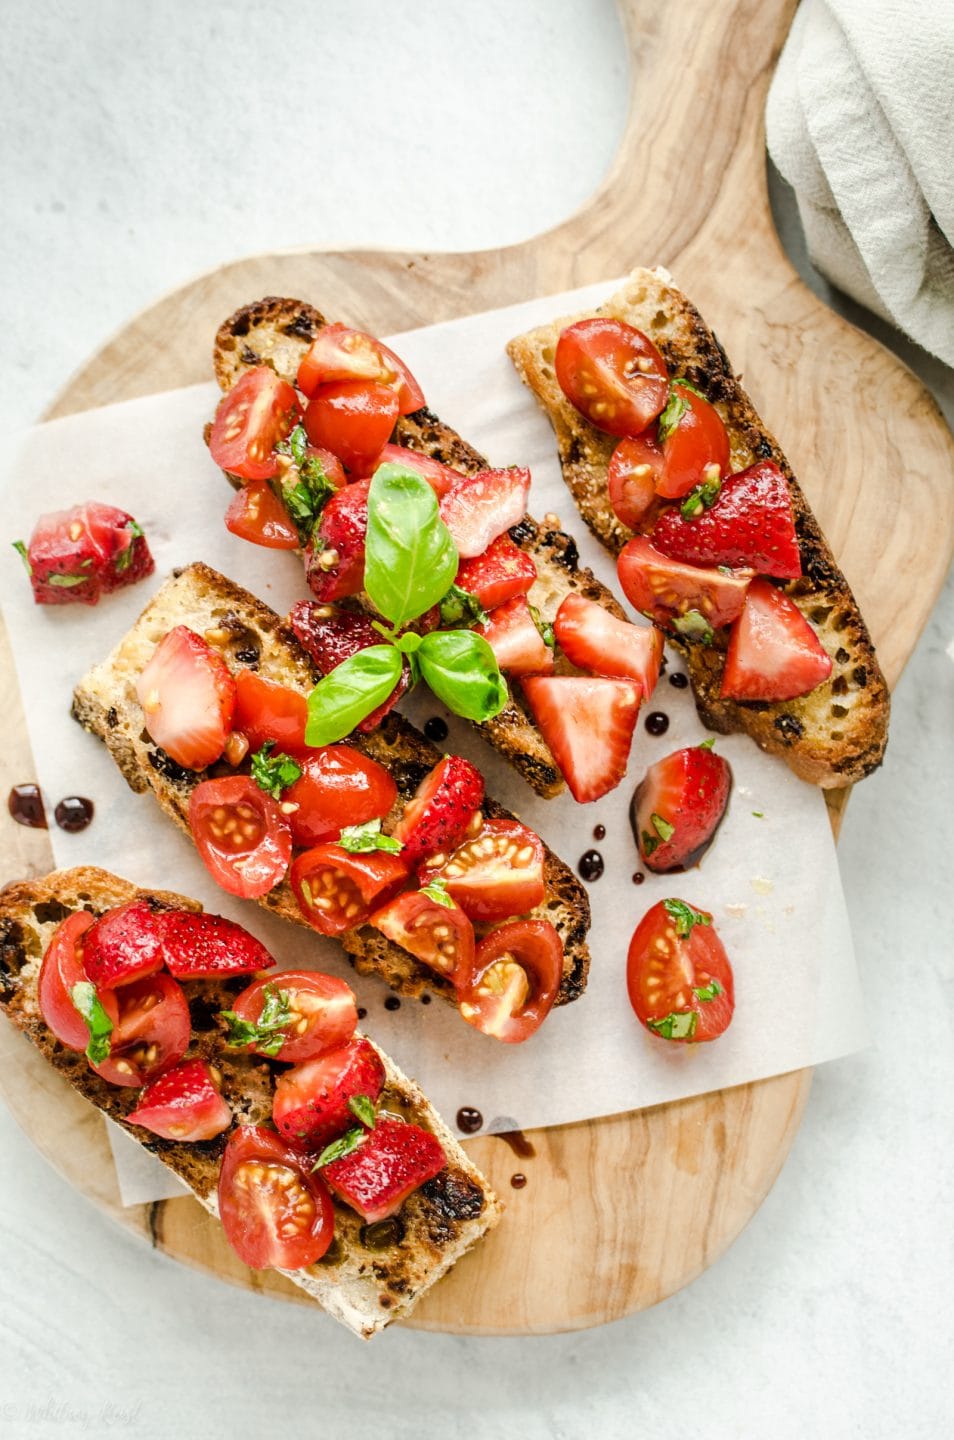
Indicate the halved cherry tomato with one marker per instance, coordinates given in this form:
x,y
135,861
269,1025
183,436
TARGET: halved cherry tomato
x,y
613,374
410,394
242,836
439,935
340,353
353,419
635,466
321,1010
336,891
151,1034
184,1104
690,451
275,1212
517,973
265,710
668,592
338,787
257,514
678,975
258,411
496,874
62,968
310,1105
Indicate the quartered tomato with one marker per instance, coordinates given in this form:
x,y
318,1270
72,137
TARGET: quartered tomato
x,y
678,974
517,973
257,514
275,1212
612,373
337,891
184,1104
297,1014
695,448
310,1105
353,419
496,874
435,932
62,968
635,466
242,836
338,787
340,353
258,411
151,1034
265,710
672,593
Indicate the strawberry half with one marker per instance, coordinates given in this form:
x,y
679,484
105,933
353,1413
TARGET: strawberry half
x,y
74,556
593,639
183,1104
440,812
774,654
677,807
201,947
334,558
588,725
331,638
188,698
310,1104
480,507
750,524
123,945
502,572
394,1160
512,635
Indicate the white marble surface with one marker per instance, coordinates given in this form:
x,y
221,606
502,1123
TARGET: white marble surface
x,y
142,144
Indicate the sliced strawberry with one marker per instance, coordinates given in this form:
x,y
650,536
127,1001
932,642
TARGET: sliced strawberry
x,y
774,654
687,599
393,1161
515,639
588,725
188,698
202,947
593,639
501,573
310,1105
677,807
123,945
441,810
334,559
480,507
750,524
440,477
76,555
184,1104
437,932
331,638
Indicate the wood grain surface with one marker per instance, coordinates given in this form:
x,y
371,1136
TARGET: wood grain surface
x,y
617,1213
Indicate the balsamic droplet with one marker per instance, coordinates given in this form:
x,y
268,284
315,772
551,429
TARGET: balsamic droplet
x,y
74,813
362,1013
657,723
678,681
518,1181
599,832
392,1003
591,865
426,998
469,1120
638,877
436,729
25,804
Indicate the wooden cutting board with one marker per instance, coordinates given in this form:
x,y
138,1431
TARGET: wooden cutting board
x,y
616,1213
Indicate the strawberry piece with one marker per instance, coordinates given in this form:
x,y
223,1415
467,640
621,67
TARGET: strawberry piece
x,y
124,944
334,558
329,639
202,947
677,807
683,597
183,1104
310,1104
394,1160
593,639
588,725
76,555
774,654
750,524
480,507
188,699
501,573
440,477
515,640
437,817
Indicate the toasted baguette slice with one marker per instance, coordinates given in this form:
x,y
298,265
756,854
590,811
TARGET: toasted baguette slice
x,y
364,1289
249,635
837,733
277,332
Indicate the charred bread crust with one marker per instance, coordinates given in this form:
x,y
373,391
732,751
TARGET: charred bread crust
x,y
836,734
362,1286
247,634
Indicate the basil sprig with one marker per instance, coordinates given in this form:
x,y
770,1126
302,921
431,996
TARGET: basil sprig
x,y
100,1027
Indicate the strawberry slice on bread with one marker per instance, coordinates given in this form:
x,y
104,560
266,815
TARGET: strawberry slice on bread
x,y
588,723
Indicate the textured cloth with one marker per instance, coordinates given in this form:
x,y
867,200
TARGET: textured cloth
x,y
860,122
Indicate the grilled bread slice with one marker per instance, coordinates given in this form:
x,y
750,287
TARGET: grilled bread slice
x,y
837,733
277,332
363,1287
247,634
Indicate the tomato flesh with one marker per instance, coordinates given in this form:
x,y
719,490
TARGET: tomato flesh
x,y
257,412
61,969
275,1213
338,787
667,591
336,891
265,710
151,1034
310,1104
680,985
697,449
496,874
323,1013
613,374
256,514
635,466
340,353
441,936
242,836
517,972
353,419
183,1104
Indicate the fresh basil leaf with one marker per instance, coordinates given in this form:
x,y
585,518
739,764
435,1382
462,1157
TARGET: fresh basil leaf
x,y
21,550
409,642
267,1034
437,891
357,839
461,607
274,773
410,557
349,1141
694,626
462,670
547,632
350,692
678,1025
676,407
362,1108
100,1027
662,827
707,992
684,916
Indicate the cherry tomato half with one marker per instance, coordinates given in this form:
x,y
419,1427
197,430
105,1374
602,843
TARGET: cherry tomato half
x,y
353,419
256,514
322,1014
62,968
336,891
258,411
338,787
275,1212
517,972
667,591
340,353
496,874
265,710
151,1034
242,836
634,467
613,374
698,441
678,975
439,935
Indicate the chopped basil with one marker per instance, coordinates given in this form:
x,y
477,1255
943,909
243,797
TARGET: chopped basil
x,y
684,916
437,891
461,607
267,1033
21,550
688,385
650,843
357,839
66,581
703,497
545,628
662,827
100,1027
759,814
349,1141
694,626
707,992
306,488
676,407
362,1108
124,558
707,744
274,773
678,1025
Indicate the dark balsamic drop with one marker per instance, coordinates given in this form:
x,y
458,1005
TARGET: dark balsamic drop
x,y
362,1013
25,804
518,1181
426,998
591,865
74,813
678,681
657,723
392,1003
469,1120
599,832
518,1143
638,877
436,729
